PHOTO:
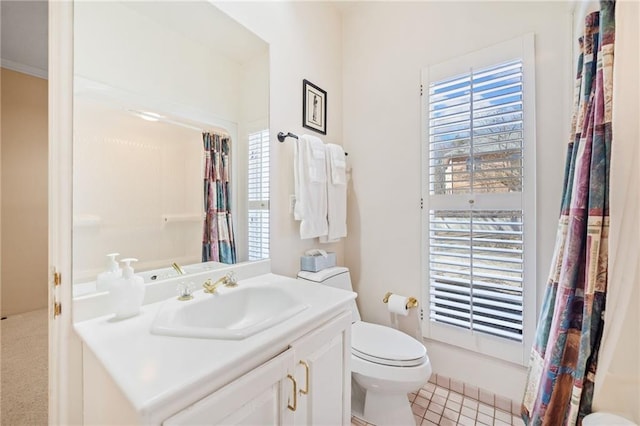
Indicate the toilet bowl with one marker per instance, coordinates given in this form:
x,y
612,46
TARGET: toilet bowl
x,y
386,364
605,419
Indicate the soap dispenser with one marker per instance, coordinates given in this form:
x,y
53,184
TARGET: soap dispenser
x,y
112,273
127,292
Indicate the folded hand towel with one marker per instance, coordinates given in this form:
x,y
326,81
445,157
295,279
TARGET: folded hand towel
x,y
316,159
336,194
338,164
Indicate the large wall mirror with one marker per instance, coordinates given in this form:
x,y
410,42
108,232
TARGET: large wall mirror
x,y
149,79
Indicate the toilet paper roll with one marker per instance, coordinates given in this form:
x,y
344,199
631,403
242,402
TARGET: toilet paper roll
x,y
398,305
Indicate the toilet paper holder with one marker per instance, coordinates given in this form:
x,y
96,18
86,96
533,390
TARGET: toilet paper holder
x,y
412,302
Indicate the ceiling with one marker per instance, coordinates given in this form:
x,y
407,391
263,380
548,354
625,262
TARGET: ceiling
x,y
24,35
24,28
204,23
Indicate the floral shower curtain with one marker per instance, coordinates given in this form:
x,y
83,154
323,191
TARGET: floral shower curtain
x,y
565,350
218,243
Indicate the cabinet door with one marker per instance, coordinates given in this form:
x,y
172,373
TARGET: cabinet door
x,y
323,374
260,397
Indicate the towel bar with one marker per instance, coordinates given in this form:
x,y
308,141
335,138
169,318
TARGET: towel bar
x,y
282,136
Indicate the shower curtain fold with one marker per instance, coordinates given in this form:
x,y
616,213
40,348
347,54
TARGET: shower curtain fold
x,y
218,243
565,350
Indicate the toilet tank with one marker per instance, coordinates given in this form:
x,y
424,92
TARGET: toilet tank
x,y
337,277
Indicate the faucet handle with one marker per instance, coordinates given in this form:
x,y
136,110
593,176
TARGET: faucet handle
x,y
184,290
209,287
229,280
232,281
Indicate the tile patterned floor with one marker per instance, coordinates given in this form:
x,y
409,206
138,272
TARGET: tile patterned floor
x,y
436,405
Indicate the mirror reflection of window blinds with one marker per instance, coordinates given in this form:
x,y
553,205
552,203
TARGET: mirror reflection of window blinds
x,y
258,195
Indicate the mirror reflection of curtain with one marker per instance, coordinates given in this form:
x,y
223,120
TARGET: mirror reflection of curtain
x,y
218,242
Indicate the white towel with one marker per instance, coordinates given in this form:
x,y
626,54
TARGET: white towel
x,y
336,194
316,161
310,177
298,180
338,164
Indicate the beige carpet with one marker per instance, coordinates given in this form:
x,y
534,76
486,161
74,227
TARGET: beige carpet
x,y
24,372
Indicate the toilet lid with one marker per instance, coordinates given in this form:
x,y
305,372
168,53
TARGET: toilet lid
x,y
385,345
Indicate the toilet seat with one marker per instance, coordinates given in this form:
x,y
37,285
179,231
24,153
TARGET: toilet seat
x,y
385,346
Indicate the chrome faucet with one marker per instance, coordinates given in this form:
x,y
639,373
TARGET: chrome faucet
x,y
228,280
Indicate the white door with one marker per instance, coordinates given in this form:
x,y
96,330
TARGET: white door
x,y
62,375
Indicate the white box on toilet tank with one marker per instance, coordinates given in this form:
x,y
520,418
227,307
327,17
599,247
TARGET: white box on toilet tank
x,y
315,263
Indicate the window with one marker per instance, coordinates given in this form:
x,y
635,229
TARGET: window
x,y
479,209
258,180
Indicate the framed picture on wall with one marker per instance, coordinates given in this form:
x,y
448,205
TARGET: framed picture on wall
x,y
314,107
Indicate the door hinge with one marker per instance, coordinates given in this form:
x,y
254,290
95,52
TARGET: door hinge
x,y
57,306
421,314
421,90
421,203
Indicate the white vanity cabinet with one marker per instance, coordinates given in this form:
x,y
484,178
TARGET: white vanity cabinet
x,y
308,384
296,372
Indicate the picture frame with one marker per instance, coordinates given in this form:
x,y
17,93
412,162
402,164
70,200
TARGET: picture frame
x,y
314,107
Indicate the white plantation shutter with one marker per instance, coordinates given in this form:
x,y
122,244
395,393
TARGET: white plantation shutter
x,y
476,209
475,132
258,195
476,270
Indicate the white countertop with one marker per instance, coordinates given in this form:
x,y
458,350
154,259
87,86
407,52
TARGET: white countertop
x,y
160,375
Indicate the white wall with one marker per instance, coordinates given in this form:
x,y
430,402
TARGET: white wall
x,y
385,47
305,42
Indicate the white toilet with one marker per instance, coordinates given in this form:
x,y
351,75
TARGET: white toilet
x,y
386,364
606,419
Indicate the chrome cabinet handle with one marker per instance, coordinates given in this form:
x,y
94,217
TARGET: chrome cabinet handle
x,y
305,391
295,394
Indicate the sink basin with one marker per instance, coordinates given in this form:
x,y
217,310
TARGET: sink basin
x,y
230,315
